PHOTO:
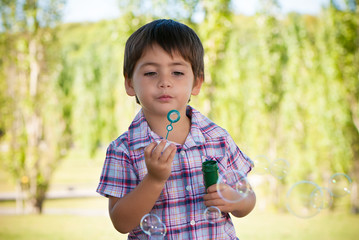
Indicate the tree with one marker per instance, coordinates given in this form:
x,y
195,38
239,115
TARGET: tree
x,y
214,32
33,146
340,55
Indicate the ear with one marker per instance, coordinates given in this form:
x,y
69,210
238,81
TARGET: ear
x,y
197,86
129,87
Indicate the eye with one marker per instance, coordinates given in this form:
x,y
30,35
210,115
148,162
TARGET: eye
x,y
149,74
178,73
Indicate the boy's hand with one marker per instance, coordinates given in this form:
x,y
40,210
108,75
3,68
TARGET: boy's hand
x,y
159,160
212,198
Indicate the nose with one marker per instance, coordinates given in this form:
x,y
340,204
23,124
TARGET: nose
x,y
164,82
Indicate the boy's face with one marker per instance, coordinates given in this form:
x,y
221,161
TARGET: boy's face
x,y
162,82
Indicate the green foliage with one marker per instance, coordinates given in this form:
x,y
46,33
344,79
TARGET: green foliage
x,y
285,87
31,146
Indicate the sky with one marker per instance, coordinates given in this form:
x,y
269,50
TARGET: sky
x,y
95,10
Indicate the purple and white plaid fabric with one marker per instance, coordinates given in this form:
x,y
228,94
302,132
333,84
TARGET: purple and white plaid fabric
x,y
180,205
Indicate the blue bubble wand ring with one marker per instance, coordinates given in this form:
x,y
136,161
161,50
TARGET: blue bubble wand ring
x,y
173,116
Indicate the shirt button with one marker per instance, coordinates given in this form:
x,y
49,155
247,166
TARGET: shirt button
x,y
183,153
188,188
192,222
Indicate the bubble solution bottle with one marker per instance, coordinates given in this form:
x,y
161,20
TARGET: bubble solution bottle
x,y
210,172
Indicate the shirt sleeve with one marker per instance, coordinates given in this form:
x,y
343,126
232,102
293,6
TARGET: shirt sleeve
x,y
118,176
237,160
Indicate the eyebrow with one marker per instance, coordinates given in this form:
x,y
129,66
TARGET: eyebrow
x,y
157,64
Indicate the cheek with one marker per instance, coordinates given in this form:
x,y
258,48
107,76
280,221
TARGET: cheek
x,y
188,93
139,85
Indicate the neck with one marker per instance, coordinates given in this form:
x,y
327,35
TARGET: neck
x,y
180,129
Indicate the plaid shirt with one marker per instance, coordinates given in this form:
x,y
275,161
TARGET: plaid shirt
x,y
180,205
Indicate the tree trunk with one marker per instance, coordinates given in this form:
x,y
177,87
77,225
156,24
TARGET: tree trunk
x,y
355,170
34,128
38,200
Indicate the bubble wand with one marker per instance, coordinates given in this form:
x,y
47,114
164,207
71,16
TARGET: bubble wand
x,y
173,116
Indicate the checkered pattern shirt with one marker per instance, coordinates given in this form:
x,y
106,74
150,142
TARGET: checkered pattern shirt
x,y
180,205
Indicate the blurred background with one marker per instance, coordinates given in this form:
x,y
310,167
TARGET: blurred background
x,y
281,76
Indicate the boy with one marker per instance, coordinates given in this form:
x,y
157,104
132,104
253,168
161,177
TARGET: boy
x,y
163,67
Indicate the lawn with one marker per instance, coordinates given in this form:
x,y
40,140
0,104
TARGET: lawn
x,y
57,227
74,219
87,218
324,226
256,226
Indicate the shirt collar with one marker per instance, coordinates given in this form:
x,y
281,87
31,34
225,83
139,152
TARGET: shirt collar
x,y
140,134
195,136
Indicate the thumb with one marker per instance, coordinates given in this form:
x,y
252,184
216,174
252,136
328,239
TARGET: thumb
x,y
212,188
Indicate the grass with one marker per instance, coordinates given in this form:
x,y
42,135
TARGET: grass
x,y
57,227
78,224
325,226
256,226
87,218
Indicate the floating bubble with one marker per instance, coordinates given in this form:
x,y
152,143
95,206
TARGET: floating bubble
x,y
279,168
304,200
150,223
339,184
322,198
261,165
233,186
212,214
158,232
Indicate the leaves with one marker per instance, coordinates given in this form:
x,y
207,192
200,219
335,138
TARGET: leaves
x,y
282,86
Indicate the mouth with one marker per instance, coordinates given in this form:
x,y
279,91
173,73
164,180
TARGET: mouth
x,y
165,98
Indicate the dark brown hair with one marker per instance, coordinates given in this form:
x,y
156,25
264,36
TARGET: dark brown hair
x,y
172,36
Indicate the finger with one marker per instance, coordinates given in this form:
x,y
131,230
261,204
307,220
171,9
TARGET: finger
x,y
212,188
161,145
221,187
211,196
166,144
172,154
169,153
165,153
215,202
149,149
156,153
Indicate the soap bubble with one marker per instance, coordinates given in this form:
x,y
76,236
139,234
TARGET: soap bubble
x,y
158,232
233,186
212,214
261,164
339,184
322,198
303,198
150,223
279,168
